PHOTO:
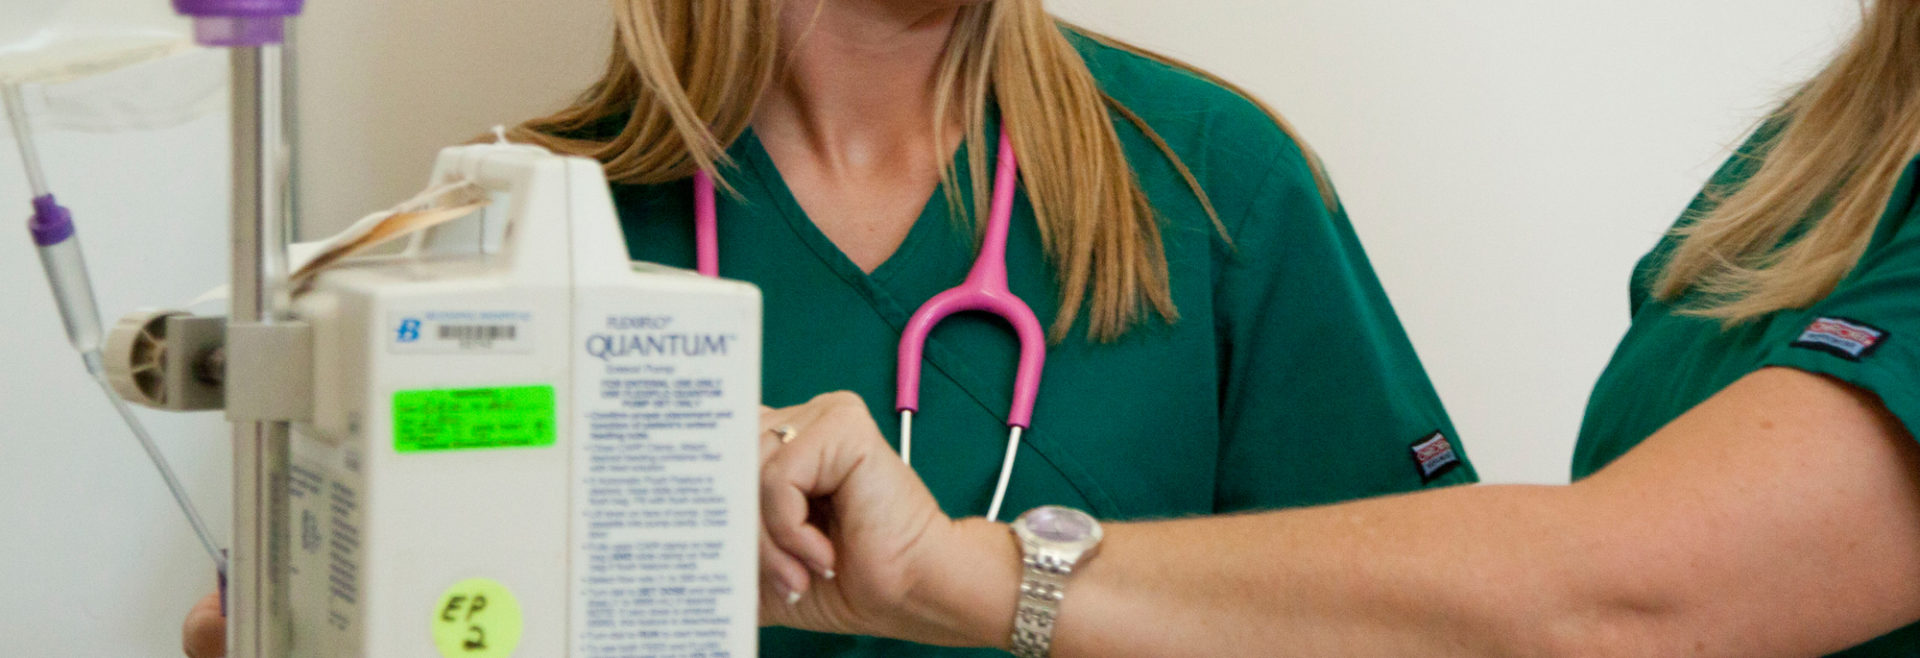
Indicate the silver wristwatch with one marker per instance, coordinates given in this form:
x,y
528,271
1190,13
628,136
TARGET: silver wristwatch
x,y
1053,540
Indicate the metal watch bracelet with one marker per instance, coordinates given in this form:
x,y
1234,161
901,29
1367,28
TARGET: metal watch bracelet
x,y
1054,541
1043,585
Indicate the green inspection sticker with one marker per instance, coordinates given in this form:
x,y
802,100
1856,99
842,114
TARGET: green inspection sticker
x,y
473,419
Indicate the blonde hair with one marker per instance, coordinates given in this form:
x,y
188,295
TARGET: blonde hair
x,y
1785,237
688,76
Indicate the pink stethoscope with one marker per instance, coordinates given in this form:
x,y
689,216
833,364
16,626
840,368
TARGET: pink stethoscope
x,y
985,290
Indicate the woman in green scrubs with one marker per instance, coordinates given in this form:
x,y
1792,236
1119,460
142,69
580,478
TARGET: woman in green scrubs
x,y
1200,279
1223,410
1748,482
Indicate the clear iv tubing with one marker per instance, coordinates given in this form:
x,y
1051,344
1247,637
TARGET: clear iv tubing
x,y
17,111
66,273
159,462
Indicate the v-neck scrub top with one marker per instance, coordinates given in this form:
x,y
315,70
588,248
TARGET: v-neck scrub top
x,y
1287,380
1862,334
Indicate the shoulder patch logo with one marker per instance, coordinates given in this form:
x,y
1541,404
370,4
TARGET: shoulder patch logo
x,y
1435,456
1847,339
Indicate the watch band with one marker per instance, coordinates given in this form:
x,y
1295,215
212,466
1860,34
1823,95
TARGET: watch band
x,y
1043,585
1054,541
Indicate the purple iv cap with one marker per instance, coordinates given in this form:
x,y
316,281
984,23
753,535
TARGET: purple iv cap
x,y
239,22
238,8
50,224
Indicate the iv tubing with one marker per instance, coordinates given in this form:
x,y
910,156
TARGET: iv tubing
x,y
159,462
73,294
23,137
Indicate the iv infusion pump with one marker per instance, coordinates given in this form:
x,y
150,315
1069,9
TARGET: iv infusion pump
x,y
505,440
521,443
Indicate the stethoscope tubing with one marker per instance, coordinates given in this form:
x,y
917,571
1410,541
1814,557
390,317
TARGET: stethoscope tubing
x,y
985,290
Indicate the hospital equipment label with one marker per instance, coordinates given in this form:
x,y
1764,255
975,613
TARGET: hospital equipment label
x,y
665,488
477,618
460,332
473,419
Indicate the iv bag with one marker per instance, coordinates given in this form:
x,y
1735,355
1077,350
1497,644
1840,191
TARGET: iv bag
x,y
107,65
144,96
49,41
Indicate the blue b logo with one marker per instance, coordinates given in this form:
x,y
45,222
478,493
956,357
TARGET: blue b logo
x,y
409,330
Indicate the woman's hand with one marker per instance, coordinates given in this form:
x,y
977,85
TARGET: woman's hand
x,y
853,541
204,633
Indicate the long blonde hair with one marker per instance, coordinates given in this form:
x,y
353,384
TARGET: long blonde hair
x,y
1785,237
688,76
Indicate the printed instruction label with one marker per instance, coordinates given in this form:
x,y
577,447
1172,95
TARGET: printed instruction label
x,y
460,332
667,483
473,419
323,496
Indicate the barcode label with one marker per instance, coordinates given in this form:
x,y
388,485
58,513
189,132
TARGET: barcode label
x,y
460,332
477,332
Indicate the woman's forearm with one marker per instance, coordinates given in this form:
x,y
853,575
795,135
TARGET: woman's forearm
x,y
1409,576
1470,571
1781,518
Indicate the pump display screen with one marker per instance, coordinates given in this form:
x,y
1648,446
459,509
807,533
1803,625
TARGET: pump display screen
x,y
473,419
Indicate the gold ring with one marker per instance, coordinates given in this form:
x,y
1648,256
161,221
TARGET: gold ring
x,y
786,433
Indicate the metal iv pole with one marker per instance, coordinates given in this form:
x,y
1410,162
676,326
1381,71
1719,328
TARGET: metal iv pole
x,y
258,619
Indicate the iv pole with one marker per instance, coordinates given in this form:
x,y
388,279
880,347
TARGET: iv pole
x,y
258,620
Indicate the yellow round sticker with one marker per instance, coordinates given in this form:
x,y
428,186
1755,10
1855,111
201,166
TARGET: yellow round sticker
x,y
477,618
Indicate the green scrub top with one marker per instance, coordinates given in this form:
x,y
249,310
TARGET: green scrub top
x,y
1287,380
1862,334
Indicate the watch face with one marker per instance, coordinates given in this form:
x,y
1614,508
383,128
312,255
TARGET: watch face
x,y
1059,524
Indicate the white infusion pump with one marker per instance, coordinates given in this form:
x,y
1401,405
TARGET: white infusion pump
x,y
523,444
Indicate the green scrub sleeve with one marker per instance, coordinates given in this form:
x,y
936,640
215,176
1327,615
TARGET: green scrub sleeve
x,y
1867,332
1323,399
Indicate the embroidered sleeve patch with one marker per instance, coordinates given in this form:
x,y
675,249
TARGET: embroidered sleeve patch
x,y
1435,456
1847,339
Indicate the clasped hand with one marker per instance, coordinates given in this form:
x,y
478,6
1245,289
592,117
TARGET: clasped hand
x,y
853,542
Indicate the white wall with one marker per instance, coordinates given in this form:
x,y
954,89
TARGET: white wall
x,y
386,84
1506,162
